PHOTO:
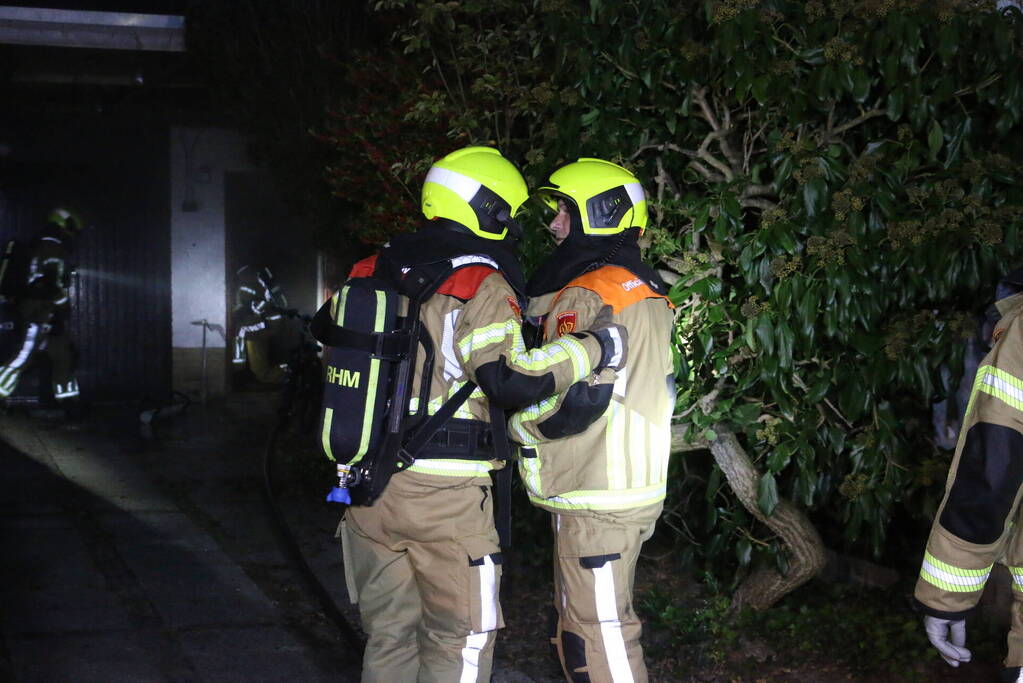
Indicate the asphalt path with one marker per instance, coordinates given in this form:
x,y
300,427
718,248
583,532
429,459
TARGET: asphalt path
x,y
133,558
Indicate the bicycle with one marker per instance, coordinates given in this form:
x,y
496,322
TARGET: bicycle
x,y
303,386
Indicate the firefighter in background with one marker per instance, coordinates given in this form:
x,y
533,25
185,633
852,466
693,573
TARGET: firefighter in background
x,y
596,456
423,561
979,519
258,317
44,309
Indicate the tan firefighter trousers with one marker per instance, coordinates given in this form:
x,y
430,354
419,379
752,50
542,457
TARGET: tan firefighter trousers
x,y
596,635
424,566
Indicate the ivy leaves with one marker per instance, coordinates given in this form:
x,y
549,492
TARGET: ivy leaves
x,y
830,186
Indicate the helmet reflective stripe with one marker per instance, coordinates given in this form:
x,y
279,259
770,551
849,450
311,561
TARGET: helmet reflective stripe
x,y
636,193
62,214
464,186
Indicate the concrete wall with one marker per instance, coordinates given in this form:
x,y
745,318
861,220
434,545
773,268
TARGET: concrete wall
x,y
199,159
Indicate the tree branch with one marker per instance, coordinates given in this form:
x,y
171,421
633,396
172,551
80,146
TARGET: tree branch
x,y
766,585
700,95
721,166
660,147
832,133
632,75
720,132
756,203
665,178
707,173
753,190
680,445
726,146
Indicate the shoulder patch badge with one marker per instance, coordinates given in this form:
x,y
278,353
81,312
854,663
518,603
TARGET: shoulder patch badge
x,y
516,309
566,322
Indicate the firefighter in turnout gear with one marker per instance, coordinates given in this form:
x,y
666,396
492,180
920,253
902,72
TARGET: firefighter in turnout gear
x,y
978,522
596,456
257,317
423,562
44,308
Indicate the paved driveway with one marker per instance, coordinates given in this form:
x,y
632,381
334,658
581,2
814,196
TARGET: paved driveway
x,y
134,559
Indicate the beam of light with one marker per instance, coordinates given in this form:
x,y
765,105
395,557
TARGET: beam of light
x,y
109,277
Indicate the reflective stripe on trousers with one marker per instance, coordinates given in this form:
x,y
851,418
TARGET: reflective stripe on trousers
x,y
31,337
476,643
66,390
9,373
610,626
239,350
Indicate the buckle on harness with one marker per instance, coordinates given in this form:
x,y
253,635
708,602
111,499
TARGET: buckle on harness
x,y
405,459
389,346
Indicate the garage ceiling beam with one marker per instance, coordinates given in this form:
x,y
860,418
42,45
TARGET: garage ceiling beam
x,y
97,30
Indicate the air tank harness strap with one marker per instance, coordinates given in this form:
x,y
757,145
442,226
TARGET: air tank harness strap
x,y
463,439
502,477
389,346
425,432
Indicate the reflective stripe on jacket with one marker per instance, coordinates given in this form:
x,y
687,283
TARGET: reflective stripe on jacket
x,y
258,299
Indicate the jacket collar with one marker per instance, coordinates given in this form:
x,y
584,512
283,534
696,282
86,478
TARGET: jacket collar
x,y
1010,305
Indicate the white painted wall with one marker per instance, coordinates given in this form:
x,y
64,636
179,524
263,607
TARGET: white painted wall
x,y
199,158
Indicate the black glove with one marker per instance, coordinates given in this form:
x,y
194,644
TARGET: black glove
x,y
613,339
584,403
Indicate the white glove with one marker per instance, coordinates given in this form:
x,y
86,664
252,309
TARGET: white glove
x,y
948,636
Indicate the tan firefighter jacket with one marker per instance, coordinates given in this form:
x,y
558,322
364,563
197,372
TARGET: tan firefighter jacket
x,y
975,524
620,461
475,323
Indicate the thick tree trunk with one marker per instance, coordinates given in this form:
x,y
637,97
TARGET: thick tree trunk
x,y
765,586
